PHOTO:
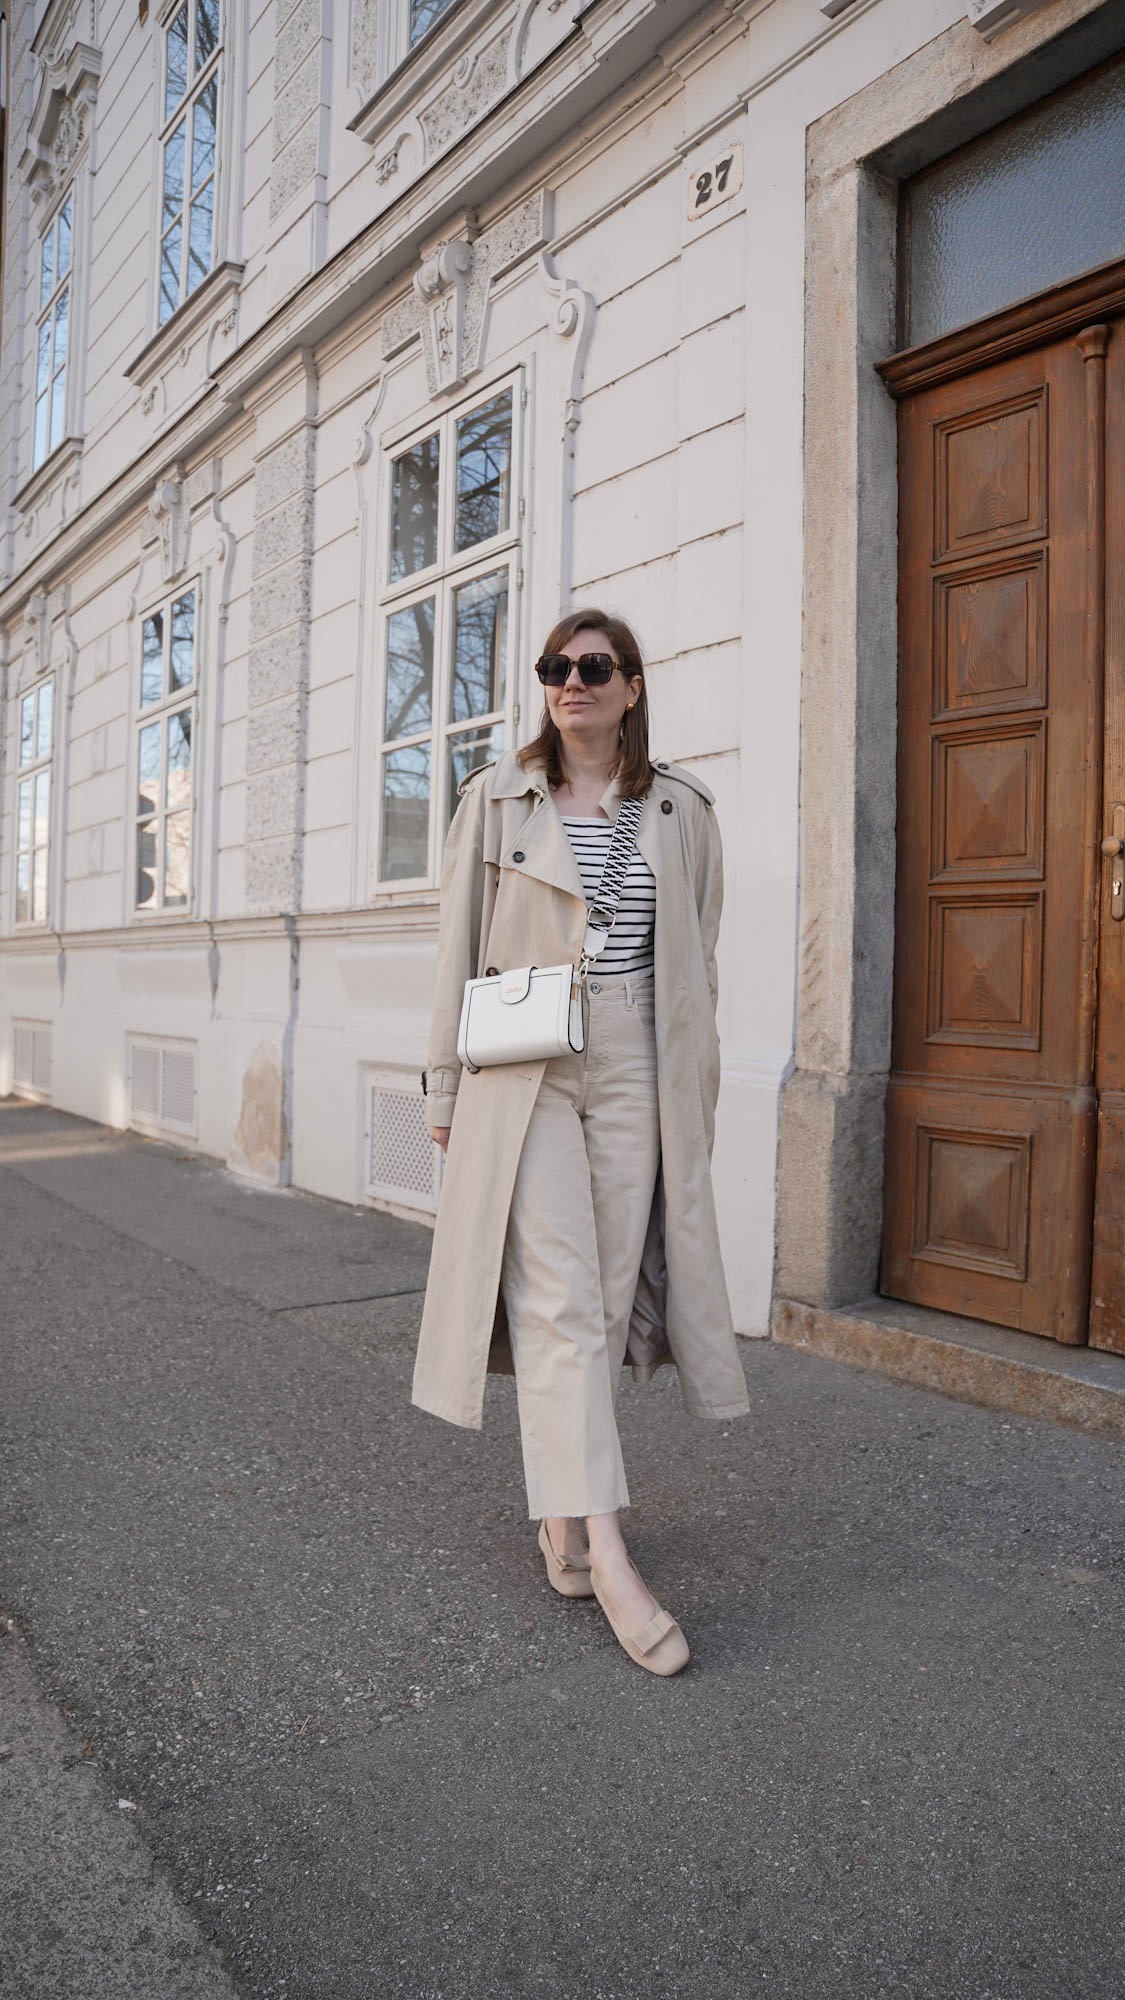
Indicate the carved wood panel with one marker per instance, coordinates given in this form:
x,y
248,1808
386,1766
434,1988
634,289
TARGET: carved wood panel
x,y
990,1117
991,476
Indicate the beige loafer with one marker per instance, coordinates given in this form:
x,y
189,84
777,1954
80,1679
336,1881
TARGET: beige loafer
x,y
570,1579
659,1646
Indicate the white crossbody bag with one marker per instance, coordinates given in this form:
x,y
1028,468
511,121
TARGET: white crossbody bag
x,y
536,1011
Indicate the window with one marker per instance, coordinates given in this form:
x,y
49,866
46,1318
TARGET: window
x,y
423,14
451,579
165,733
51,337
190,110
33,802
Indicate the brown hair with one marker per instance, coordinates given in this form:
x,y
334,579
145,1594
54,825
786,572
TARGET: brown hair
x,y
633,766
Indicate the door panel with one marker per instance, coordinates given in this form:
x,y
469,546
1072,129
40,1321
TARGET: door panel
x,y
991,1114
1107,1291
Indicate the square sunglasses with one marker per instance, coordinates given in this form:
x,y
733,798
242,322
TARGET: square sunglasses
x,y
595,669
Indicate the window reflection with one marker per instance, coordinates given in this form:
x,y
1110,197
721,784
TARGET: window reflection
x,y
406,812
182,663
480,640
467,753
414,508
410,670
152,659
423,14
484,454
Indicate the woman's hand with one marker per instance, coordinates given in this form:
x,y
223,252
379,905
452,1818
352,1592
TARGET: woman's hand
x,y
440,1136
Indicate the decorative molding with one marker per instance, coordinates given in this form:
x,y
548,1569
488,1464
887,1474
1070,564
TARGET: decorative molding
x,y
213,301
991,18
36,633
60,121
60,469
166,520
442,285
448,304
572,319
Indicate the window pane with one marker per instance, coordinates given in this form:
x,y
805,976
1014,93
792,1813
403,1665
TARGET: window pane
x,y
414,509
174,174
423,14
43,362
27,728
406,812
466,753
170,272
182,671
23,889
1021,209
484,455
42,824
410,671
177,784
146,863
46,707
206,31
480,644
152,659
64,240
148,767
42,413
39,886
203,135
199,238
26,790
62,319
58,401
177,859
176,72
47,268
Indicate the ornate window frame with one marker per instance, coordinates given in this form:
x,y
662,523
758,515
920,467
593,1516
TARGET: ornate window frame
x,y
35,714
56,164
453,570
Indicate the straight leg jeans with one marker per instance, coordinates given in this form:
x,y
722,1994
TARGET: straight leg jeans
x,y
576,1234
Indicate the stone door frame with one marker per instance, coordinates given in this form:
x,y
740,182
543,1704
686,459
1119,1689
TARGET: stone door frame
x,y
830,1158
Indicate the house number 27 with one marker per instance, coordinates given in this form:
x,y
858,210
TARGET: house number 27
x,y
713,181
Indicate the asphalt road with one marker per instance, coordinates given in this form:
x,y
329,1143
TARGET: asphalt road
x,y
303,1633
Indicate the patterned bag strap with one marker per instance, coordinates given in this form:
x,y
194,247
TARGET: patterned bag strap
x,y
601,914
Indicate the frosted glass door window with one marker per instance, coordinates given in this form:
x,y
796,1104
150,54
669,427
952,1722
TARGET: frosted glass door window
x,y
1037,202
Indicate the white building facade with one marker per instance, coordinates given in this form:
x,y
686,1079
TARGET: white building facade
x,y
343,345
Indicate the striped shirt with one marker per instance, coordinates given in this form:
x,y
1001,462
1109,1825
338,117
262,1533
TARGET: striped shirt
x,y
629,946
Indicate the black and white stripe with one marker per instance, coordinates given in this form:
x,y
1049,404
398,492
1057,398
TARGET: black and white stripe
x,y
629,946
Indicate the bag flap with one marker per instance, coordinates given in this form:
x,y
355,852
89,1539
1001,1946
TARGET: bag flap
x,y
515,986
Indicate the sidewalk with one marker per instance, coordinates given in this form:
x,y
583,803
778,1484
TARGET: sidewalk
x,y
304,1631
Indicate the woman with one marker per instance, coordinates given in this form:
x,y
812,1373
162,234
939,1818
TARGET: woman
x,y
577,1222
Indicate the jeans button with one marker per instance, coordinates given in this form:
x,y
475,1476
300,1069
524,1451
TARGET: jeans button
x,y
594,987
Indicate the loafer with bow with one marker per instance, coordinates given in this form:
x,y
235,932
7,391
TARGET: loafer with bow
x,y
570,1579
659,1646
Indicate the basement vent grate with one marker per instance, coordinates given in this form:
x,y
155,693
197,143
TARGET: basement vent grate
x,y
403,1164
164,1085
31,1052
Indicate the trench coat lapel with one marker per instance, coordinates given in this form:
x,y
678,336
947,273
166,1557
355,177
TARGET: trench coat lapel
x,y
547,853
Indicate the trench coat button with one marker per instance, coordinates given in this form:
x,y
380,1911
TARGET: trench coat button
x,y
662,767
666,806
594,986
518,855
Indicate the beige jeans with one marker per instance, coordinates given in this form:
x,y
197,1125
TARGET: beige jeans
x,y
576,1233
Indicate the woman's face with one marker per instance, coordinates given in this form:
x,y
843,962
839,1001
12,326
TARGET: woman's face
x,y
587,714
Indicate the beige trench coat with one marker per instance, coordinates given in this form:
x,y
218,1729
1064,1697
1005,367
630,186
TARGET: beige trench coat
x,y
511,895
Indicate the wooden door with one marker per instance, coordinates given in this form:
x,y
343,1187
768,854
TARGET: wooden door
x,y
992,1114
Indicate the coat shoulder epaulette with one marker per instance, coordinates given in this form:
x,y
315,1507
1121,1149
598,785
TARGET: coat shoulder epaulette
x,y
473,776
687,778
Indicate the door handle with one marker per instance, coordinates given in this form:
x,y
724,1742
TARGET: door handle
x,y
1113,847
